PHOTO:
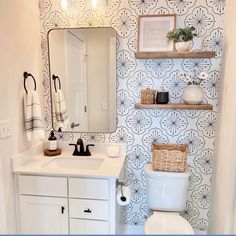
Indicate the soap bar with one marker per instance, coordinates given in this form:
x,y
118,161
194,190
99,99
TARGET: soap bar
x,y
56,152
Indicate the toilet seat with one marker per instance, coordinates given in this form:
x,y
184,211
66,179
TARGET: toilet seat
x,y
167,223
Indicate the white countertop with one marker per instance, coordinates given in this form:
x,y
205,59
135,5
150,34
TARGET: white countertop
x,y
110,167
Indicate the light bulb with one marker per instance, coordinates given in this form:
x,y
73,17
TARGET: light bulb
x,y
64,4
94,3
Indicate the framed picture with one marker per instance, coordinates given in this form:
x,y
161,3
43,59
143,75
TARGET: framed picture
x,y
152,31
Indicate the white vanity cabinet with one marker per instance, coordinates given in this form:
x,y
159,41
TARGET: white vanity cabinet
x,y
62,205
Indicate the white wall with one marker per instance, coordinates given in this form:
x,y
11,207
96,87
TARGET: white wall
x,y
222,213
20,51
3,218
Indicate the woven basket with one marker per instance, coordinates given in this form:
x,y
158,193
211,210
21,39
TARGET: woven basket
x,y
169,157
148,96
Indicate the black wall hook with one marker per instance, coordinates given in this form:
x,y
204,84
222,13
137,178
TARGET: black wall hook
x,y
54,77
26,75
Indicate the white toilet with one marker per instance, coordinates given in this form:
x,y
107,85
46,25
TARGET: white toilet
x,y
166,195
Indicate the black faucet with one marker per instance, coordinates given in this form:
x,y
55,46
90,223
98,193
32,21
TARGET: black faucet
x,y
81,151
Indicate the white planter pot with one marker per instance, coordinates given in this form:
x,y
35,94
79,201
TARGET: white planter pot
x,y
183,46
193,94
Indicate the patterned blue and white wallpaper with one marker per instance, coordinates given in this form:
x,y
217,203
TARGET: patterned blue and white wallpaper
x,y
139,128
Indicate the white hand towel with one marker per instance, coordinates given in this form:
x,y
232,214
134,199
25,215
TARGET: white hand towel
x,y
61,110
33,117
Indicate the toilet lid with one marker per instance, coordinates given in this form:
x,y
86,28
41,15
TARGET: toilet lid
x,y
167,223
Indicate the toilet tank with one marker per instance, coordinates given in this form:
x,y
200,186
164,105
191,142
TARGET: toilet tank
x,y
166,191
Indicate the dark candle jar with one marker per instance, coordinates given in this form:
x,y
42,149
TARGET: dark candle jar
x,y
162,97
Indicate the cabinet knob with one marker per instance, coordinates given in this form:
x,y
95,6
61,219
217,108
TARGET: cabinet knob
x,y
62,209
88,211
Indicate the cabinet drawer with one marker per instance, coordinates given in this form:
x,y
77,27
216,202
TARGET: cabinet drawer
x,y
79,226
42,185
89,209
89,188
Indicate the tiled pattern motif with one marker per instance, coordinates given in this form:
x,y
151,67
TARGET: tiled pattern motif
x,y
139,128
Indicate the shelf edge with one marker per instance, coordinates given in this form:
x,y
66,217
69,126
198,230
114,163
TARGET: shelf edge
x,y
174,54
175,106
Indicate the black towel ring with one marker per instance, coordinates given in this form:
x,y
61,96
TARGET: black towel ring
x,y
26,75
54,77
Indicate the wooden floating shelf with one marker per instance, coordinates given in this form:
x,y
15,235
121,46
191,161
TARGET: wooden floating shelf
x,y
181,106
175,54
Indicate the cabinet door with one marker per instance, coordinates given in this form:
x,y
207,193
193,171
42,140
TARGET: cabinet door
x,y
43,215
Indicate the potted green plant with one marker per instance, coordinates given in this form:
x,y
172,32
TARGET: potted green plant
x,y
182,37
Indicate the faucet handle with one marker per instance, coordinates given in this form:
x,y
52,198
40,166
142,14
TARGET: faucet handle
x,y
73,144
87,152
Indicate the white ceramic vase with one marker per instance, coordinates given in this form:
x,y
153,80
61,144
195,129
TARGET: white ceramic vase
x,y
193,94
183,46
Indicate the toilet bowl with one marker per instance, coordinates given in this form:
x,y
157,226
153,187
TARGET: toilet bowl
x,y
166,196
167,223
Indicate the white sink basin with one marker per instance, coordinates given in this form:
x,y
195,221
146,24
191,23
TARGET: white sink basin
x,y
74,163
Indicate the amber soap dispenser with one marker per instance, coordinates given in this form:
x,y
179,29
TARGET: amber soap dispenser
x,y
52,150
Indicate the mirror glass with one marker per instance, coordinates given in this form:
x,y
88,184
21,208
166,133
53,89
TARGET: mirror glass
x,y
83,79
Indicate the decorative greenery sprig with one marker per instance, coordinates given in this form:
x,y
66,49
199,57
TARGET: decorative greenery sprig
x,y
194,77
182,34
